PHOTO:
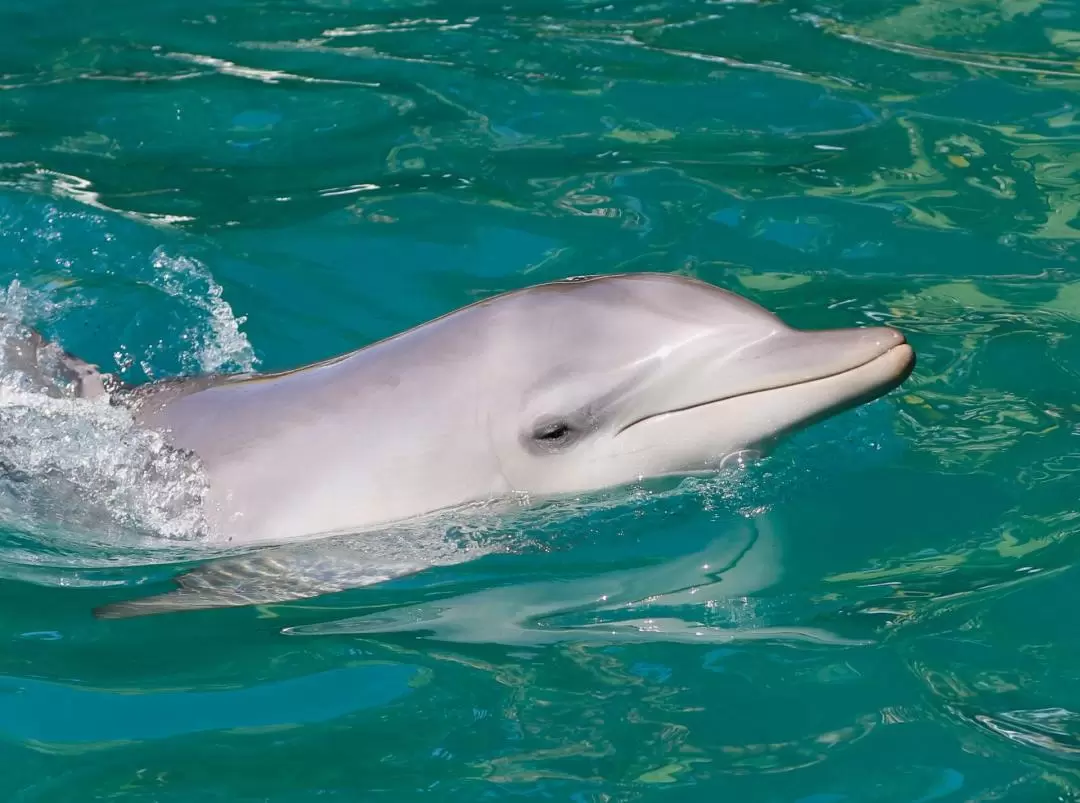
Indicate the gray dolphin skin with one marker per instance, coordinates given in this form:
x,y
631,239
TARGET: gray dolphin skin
x,y
559,388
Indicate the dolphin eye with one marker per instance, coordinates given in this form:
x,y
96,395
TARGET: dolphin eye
x,y
554,432
552,436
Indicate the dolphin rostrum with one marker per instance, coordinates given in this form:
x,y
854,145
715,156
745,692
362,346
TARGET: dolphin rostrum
x,y
560,388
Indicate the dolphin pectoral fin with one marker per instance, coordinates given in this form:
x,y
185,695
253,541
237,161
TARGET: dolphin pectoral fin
x,y
180,600
273,577
47,368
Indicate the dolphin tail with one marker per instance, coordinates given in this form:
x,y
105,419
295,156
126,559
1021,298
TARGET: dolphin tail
x,y
44,367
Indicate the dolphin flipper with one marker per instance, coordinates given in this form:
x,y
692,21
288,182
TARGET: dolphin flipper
x,y
277,575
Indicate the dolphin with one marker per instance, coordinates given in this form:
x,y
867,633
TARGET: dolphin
x,y
560,388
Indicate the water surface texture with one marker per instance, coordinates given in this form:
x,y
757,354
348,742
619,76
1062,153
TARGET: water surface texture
x,y
883,610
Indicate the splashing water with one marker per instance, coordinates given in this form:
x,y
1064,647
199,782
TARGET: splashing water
x,y
76,472
79,484
223,346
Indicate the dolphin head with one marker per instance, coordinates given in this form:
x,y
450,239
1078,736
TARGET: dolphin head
x,y
615,379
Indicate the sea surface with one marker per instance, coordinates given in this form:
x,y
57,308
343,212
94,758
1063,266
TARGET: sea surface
x,y
885,609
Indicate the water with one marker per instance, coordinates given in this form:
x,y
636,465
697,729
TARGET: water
x,y
887,612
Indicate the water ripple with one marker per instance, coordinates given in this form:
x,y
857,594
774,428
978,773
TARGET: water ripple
x,y
220,185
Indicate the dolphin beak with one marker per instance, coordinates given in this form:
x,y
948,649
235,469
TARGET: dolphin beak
x,y
794,356
857,365
844,369
833,369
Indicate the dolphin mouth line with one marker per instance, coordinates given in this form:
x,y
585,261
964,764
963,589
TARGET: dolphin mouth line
x,y
893,382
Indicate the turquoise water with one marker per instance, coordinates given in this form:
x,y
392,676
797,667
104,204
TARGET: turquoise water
x,y
889,609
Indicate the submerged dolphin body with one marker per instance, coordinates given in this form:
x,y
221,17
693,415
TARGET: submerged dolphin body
x,y
560,388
